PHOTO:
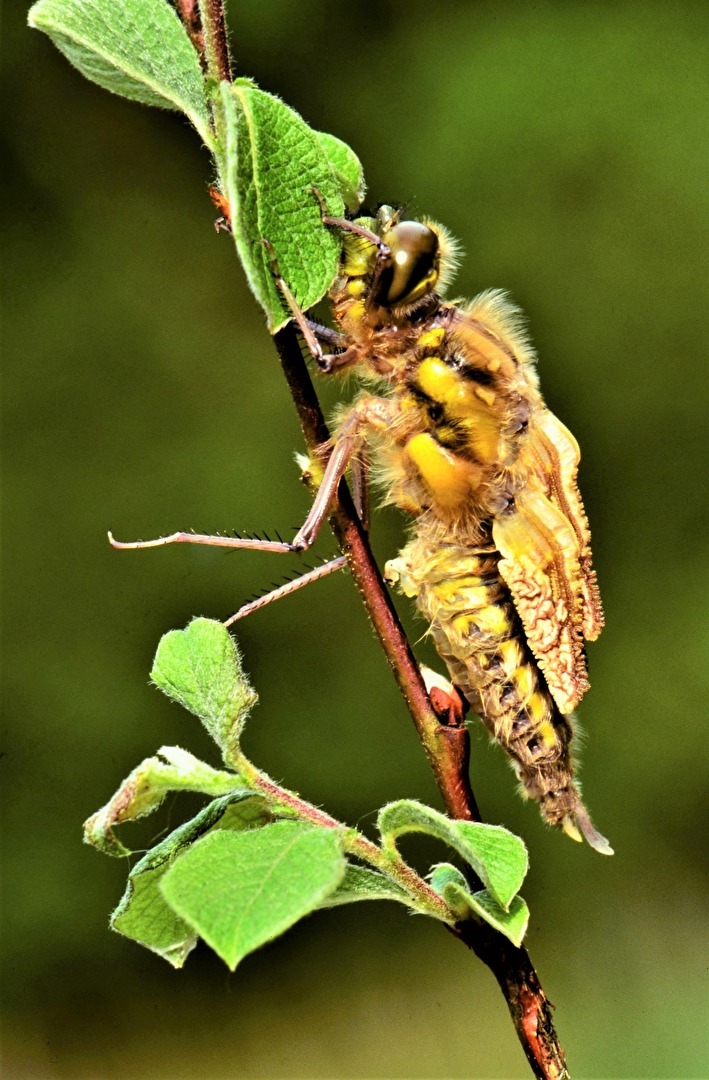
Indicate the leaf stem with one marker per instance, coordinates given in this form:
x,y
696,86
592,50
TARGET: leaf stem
x,y
447,746
425,899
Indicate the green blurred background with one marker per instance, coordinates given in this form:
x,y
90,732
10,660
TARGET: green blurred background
x,y
563,143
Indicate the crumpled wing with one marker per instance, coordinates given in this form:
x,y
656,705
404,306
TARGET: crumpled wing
x,y
544,541
558,455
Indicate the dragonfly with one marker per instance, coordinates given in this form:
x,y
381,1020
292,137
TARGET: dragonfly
x,y
451,423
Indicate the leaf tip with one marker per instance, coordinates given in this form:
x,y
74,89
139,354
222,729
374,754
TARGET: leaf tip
x,y
32,15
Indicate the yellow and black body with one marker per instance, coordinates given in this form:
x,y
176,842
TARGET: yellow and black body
x,y
499,561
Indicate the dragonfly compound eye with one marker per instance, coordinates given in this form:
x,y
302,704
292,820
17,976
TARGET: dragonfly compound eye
x,y
412,268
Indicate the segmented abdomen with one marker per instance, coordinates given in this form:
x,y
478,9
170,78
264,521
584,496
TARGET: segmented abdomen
x,y
477,632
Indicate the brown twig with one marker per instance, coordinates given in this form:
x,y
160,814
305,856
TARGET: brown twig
x,y
205,23
216,24
447,746
188,10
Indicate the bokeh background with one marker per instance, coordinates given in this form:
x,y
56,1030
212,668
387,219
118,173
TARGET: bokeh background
x,y
564,144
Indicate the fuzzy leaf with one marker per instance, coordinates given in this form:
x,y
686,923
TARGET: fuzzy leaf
x,y
136,48
512,923
200,667
142,914
497,856
360,883
172,769
452,886
240,890
272,161
347,168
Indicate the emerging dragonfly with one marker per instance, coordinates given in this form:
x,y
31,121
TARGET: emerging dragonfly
x,y
500,560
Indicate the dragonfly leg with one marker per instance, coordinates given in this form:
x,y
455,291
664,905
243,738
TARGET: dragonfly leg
x,y
289,587
231,542
360,485
383,250
367,412
312,332
332,362
349,226
330,337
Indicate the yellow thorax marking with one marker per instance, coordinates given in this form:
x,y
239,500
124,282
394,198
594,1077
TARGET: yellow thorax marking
x,y
356,287
431,339
440,382
537,708
525,682
448,477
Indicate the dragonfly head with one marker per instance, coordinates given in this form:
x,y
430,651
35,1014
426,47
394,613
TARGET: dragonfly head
x,y
410,270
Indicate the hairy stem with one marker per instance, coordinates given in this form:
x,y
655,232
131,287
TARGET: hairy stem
x,y
530,1008
447,747
426,898
216,47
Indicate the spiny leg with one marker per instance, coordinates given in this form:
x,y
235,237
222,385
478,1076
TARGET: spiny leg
x,y
312,332
327,362
281,547
360,496
348,226
360,485
289,587
331,362
367,412
383,250
327,335
298,313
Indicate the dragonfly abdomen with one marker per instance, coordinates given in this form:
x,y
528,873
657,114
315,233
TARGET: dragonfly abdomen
x,y
477,632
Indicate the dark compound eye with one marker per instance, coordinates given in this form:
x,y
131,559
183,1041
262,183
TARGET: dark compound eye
x,y
435,413
412,267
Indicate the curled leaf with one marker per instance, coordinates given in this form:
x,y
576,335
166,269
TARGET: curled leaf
x,y
497,856
448,881
173,769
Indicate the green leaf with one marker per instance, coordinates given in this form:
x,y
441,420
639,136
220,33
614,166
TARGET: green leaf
x,y
360,883
200,667
240,890
512,923
142,914
142,792
272,161
497,856
448,881
136,48
347,168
